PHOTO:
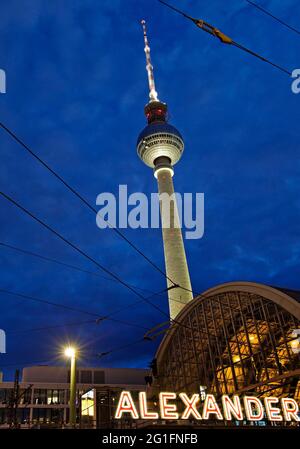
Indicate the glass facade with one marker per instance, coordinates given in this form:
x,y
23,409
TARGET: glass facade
x,y
23,416
48,416
234,342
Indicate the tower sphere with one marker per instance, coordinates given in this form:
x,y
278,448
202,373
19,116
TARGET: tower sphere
x,y
159,139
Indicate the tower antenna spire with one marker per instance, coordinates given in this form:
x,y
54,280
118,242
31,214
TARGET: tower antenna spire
x,y
149,67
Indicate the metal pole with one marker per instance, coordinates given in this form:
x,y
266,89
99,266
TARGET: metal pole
x,y
73,391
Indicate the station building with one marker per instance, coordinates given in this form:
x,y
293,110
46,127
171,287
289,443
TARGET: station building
x,y
44,394
238,338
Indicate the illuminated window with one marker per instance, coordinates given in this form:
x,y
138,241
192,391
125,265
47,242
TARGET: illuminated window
x,y
87,403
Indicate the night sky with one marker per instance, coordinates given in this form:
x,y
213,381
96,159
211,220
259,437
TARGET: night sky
x,y
76,88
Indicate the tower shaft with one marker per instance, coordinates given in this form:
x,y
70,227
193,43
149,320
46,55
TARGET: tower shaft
x,y
160,146
175,257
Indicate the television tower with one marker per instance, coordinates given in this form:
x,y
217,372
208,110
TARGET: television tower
x,y
160,146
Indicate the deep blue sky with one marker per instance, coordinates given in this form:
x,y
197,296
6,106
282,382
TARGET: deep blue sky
x,y
76,87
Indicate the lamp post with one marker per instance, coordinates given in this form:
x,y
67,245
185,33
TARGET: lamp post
x,y
71,353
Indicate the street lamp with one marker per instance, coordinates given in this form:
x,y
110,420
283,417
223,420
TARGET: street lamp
x,y
70,352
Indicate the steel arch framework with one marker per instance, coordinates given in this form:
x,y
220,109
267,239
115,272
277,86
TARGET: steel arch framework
x,y
235,338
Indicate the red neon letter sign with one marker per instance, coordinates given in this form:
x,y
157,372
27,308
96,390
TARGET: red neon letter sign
x,y
143,407
167,411
190,406
126,405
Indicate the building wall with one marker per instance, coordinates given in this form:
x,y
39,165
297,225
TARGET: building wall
x,y
44,398
55,374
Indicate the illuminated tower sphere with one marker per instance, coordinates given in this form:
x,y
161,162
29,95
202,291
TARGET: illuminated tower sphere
x,y
160,146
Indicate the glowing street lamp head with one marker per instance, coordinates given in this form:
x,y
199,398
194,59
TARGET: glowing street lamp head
x,y
70,352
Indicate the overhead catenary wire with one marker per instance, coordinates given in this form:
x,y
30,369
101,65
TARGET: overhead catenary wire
x,y
265,11
83,253
80,323
129,306
249,51
47,302
153,294
121,347
143,298
26,363
224,38
46,328
108,316
121,309
78,195
97,320
96,355
59,262
30,253
17,139
262,58
118,280
56,261
75,247
25,146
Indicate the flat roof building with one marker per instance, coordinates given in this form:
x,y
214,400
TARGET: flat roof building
x,y
44,394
